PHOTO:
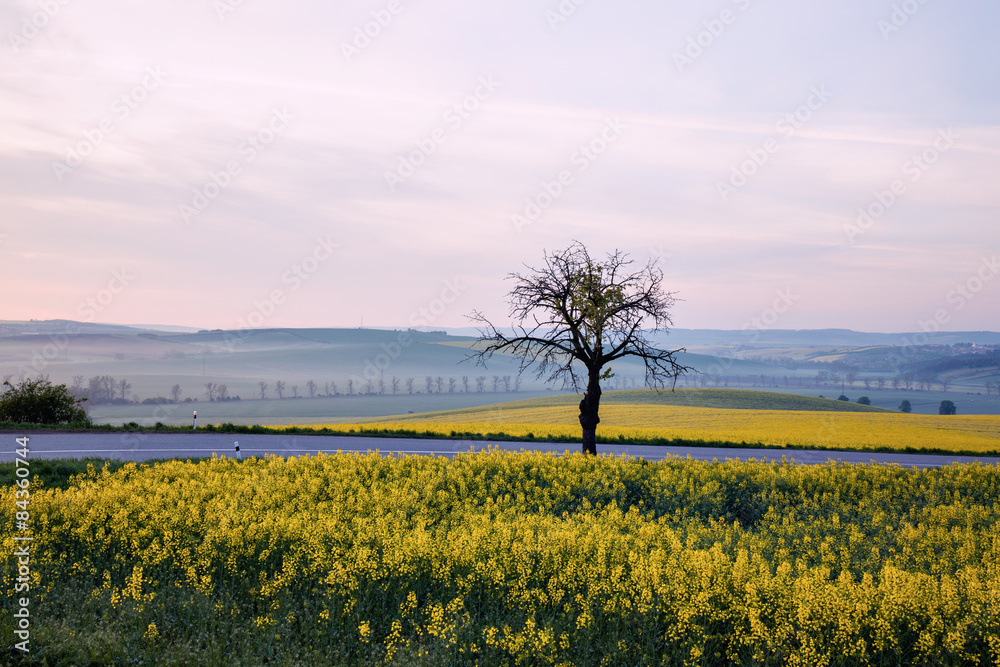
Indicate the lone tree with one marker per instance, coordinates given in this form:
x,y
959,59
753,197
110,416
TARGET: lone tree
x,y
576,311
947,408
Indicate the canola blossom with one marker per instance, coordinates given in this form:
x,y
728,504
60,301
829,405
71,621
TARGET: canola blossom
x,y
778,428
514,559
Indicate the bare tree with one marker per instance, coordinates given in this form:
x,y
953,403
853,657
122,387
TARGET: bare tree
x,y
279,389
496,383
579,310
210,390
311,388
395,384
175,393
429,381
465,383
350,387
295,391
333,389
222,392
263,389
439,382
409,385
368,388
480,383
381,386
451,385
123,387
506,379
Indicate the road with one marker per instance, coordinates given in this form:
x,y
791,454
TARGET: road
x,y
144,446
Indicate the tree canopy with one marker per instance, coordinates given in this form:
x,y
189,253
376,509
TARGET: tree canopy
x,y
40,402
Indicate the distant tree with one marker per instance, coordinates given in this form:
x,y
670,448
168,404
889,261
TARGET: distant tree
x,y
843,398
123,388
868,384
851,376
333,389
210,390
77,389
311,388
279,389
429,381
506,379
41,402
263,389
496,383
350,387
905,406
409,385
517,383
945,383
480,383
108,386
452,383
395,385
895,382
295,391
989,386
465,383
326,388
175,393
439,383
222,392
369,388
947,408
381,386
864,400
880,382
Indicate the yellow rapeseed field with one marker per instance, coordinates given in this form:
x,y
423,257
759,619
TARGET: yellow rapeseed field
x,y
833,430
511,559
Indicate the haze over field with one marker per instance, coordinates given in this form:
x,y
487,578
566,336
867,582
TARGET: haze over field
x,y
305,164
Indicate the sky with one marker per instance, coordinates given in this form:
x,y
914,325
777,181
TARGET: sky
x,y
254,163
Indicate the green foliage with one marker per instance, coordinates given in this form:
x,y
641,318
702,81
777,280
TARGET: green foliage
x,y
947,408
905,406
41,402
843,398
864,400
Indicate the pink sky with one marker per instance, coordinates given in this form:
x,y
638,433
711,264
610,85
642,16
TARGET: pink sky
x,y
178,163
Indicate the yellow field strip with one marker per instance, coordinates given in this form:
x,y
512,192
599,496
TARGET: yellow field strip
x,y
855,430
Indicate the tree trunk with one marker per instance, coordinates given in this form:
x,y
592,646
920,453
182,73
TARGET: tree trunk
x,y
589,419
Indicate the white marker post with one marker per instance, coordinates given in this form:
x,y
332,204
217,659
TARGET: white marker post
x,y
239,457
194,420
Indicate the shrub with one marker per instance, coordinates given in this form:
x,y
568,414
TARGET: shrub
x,y
947,408
864,400
41,402
905,406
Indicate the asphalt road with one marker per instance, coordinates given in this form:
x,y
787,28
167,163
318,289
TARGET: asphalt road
x,y
144,446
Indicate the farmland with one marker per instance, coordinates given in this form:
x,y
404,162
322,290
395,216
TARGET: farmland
x,y
768,419
523,559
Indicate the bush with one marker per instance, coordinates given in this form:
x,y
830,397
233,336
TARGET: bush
x,y
864,400
905,406
843,398
41,402
947,408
